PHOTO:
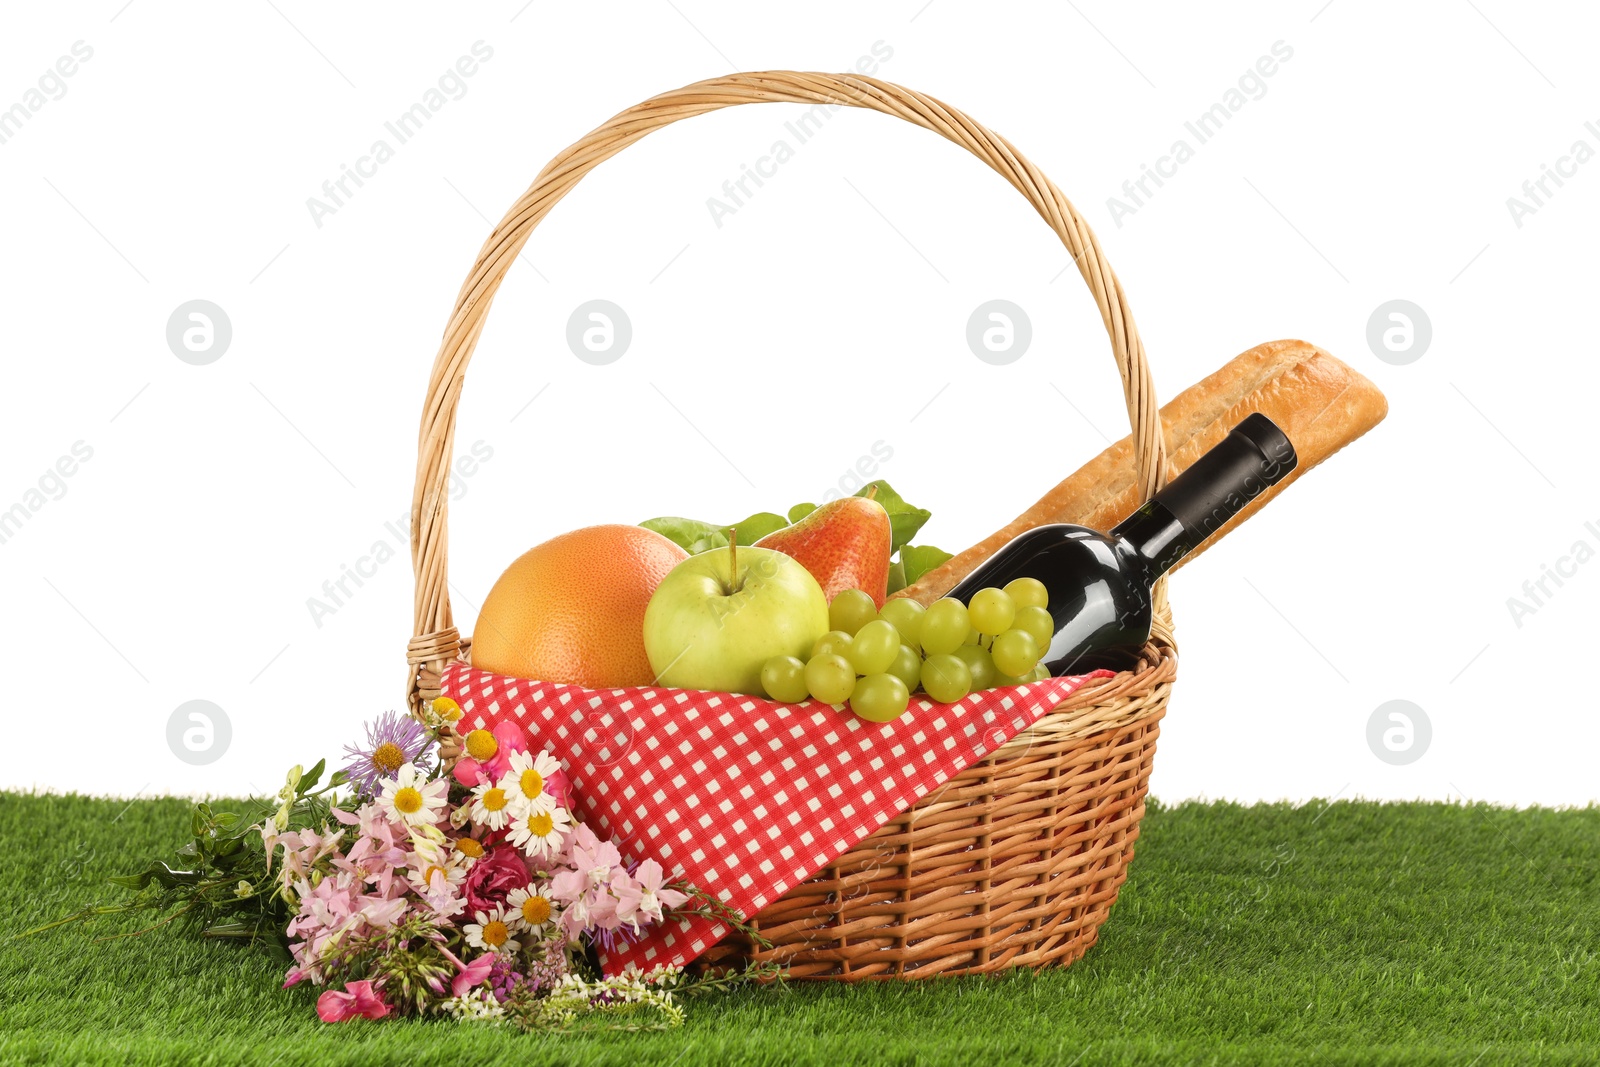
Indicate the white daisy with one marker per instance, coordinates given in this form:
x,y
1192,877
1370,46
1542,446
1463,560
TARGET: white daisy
x,y
468,850
533,906
437,879
524,782
492,931
411,799
435,872
491,804
541,833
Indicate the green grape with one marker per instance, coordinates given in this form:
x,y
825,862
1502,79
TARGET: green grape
x,y
906,615
946,678
1028,593
991,611
834,641
1003,680
880,698
1036,621
851,610
973,637
830,678
979,666
874,648
784,678
1015,653
944,627
907,666
1041,672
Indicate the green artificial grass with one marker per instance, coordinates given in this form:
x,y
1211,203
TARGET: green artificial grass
x,y
1356,933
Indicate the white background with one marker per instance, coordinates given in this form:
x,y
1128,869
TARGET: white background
x,y
821,318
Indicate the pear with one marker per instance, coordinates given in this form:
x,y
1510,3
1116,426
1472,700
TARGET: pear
x,y
845,544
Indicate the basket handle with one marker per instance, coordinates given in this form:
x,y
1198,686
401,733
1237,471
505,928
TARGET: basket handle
x,y
436,641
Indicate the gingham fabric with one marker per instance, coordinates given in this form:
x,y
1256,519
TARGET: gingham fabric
x,y
741,796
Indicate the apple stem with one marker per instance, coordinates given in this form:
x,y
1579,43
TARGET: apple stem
x,y
872,491
733,560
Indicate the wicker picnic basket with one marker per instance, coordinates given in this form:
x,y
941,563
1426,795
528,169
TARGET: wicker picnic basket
x,y
1017,860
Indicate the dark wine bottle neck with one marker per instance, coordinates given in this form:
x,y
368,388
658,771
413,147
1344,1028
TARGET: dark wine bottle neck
x,y
1160,539
1254,457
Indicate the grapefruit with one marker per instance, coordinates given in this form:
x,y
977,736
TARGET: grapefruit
x,y
572,609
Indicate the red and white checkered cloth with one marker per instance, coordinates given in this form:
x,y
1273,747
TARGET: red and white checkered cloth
x,y
743,797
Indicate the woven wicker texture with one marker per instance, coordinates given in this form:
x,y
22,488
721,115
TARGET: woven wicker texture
x,y
1014,863
1017,860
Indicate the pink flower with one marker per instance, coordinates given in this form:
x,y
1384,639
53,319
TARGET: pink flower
x,y
441,895
653,897
303,850
602,907
587,855
380,848
358,999
575,917
467,974
492,877
628,894
469,772
595,888
559,788
336,907
508,738
472,974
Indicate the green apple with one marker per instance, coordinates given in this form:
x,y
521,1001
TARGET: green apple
x,y
716,618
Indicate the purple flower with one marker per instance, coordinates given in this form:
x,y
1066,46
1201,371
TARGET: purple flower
x,y
503,977
609,938
393,740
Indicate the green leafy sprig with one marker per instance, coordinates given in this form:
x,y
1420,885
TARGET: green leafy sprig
x,y
908,562
221,884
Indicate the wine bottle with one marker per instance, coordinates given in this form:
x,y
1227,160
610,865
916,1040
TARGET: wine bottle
x,y
1100,584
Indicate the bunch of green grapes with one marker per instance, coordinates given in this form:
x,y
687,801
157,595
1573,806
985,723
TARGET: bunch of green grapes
x,y
875,660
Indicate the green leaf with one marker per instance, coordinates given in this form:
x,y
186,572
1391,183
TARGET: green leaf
x,y
695,537
158,872
917,560
757,526
897,578
308,780
243,930
904,519
682,532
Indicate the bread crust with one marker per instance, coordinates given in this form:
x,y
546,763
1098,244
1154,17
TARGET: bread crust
x,y
1320,402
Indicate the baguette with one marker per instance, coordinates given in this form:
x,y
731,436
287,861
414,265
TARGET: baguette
x,y
1318,401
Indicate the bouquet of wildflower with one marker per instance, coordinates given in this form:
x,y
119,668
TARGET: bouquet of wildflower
x,y
404,889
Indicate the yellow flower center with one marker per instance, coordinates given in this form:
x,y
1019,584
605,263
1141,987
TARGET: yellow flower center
x,y
446,709
427,875
536,911
470,847
495,933
408,801
532,784
482,746
388,758
494,799
541,824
